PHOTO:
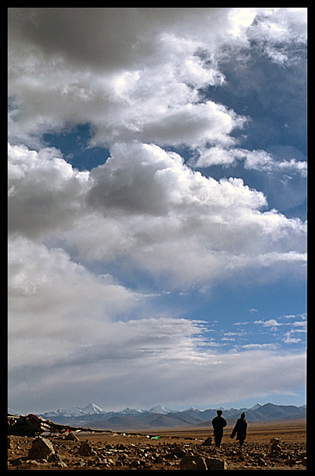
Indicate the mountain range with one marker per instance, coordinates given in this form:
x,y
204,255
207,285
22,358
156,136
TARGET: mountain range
x,y
161,417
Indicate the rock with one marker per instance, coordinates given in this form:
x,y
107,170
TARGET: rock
x,y
85,449
32,462
275,440
135,464
71,436
275,448
177,451
275,445
207,442
261,462
54,458
60,464
193,463
41,448
16,462
215,464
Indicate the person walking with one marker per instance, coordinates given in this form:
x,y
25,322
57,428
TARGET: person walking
x,y
218,424
240,429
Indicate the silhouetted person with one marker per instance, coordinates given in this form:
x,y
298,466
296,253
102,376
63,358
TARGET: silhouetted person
x,y
218,424
240,429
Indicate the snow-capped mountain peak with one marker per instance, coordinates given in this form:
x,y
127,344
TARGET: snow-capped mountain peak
x,y
160,409
130,411
67,412
92,409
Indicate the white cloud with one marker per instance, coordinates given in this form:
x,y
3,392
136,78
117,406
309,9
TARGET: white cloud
x,y
295,316
57,78
299,324
297,328
156,213
262,161
50,295
259,346
55,82
167,358
45,192
275,30
213,156
143,178
259,160
274,26
183,224
288,339
63,316
268,323
141,31
121,106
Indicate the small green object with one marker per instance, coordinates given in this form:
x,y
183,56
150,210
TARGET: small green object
x,y
155,437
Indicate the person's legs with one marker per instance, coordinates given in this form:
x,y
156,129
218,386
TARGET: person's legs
x,y
217,439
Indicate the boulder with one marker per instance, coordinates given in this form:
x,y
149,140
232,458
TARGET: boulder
x,y
54,458
207,442
71,436
275,448
85,449
261,462
192,463
41,448
214,464
275,440
177,451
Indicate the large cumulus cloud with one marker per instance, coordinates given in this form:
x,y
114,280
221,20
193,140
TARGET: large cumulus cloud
x,y
101,66
146,205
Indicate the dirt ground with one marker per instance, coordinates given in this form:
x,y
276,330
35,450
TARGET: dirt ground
x,y
138,451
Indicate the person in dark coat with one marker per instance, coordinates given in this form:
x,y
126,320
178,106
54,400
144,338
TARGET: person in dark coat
x,y
240,429
218,424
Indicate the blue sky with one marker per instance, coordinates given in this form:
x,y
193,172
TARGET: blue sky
x,y
157,207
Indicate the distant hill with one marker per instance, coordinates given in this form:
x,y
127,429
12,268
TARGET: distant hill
x,y
161,417
267,412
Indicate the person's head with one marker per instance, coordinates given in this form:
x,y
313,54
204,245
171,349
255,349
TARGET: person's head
x,y
219,412
243,416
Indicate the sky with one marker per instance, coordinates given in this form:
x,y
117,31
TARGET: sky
x,y
157,207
